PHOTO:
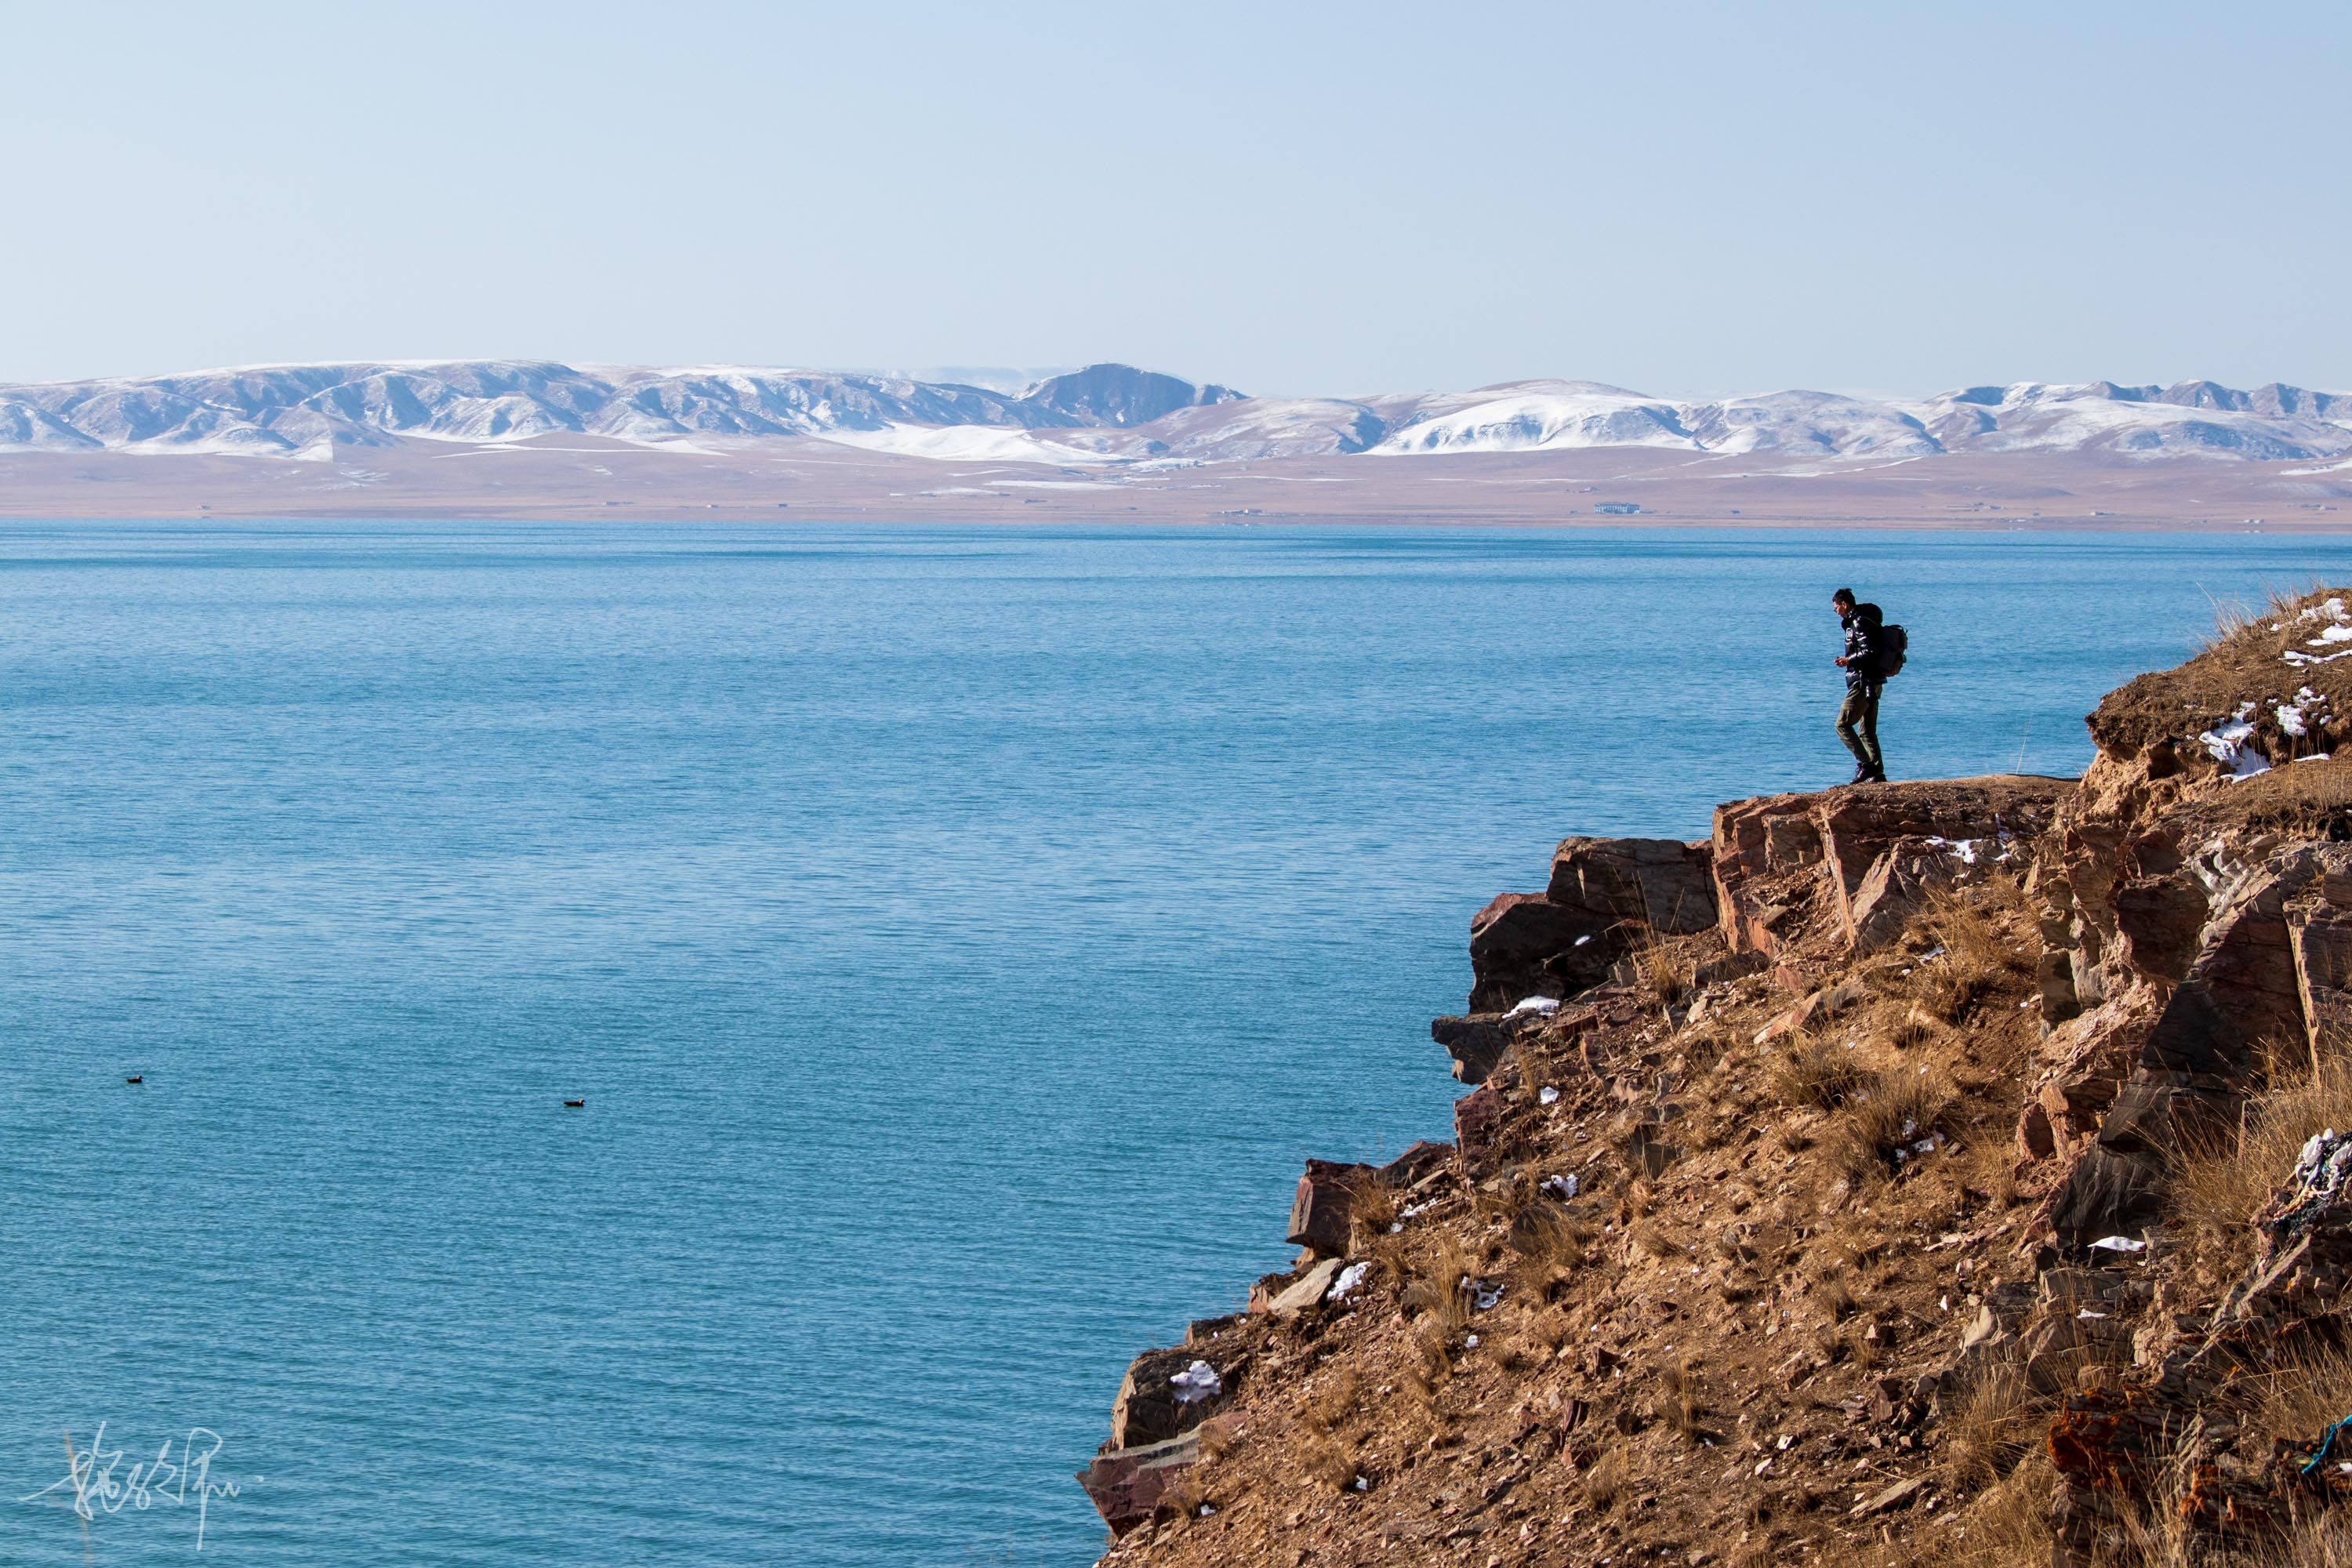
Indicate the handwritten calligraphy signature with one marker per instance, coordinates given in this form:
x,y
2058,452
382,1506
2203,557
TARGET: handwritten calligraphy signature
x,y
91,1475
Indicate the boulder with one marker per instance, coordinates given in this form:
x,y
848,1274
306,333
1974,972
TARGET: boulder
x,y
2157,921
1152,1408
1479,1042
1899,886
1522,944
1662,884
2086,1060
2118,1187
1476,1115
1415,1164
1321,1211
1307,1290
1759,845
1989,821
2108,1194
1604,897
1127,1484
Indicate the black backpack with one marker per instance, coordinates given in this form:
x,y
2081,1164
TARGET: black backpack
x,y
1894,642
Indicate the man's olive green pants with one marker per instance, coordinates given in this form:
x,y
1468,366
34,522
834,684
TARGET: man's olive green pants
x,y
1860,713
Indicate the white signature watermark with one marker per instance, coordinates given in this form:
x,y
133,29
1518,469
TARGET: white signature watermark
x,y
91,1476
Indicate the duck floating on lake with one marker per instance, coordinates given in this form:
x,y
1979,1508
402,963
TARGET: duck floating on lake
x,y
136,1077
576,1104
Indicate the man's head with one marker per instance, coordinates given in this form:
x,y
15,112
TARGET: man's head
x,y
1843,601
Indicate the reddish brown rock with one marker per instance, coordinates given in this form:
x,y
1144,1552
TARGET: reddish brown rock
x,y
2085,1061
1757,845
1899,886
2242,987
1662,884
1422,1160
1127,1484
1479,1042
1604,897
1321,1212
1476,1117
2319,928
1997,817
1523,945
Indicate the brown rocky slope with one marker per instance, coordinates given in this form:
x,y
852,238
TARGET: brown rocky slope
x,y
1940,1172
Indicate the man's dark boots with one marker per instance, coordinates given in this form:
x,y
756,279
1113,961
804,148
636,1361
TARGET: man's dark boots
x,y
1864,774
1877,774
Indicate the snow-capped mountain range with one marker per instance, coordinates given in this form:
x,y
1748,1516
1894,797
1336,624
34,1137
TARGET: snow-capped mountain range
x,y
1115,414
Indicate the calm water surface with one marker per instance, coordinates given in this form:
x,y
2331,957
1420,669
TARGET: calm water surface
x,y
959,938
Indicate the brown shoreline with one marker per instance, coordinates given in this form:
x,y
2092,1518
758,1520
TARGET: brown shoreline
x,y
573,479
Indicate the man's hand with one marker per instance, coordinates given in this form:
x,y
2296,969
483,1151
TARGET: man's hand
x,y
1839,661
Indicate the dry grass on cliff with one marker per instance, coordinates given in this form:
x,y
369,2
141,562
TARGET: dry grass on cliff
x,y
1888,1118
1982,948
2220,1182
1816,1073
1666,970
1995,1426
2242,662
2302,1400
2294,796
2009,1527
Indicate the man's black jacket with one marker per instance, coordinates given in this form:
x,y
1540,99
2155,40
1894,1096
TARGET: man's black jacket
x,y
1864,646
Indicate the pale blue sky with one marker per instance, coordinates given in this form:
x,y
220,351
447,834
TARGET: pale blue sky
x,y
1285,198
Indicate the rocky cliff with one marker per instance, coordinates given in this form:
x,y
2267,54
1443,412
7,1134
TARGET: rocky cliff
x,y
1946,1171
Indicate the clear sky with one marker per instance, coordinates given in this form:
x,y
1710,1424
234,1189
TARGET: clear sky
x,y
1283,197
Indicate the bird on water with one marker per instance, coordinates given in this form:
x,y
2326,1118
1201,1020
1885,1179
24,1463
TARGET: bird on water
x,y
576,1104
136,1077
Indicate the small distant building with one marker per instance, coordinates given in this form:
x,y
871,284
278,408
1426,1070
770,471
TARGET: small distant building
x,y
1619,508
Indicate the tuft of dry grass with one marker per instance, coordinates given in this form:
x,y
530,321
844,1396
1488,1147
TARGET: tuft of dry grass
x,y
1683,1401
1372,1209
1326,1461
2236,619
1901,1027
1606,1478
1652,1238
1328,1402
1437,1295
1426,1366
1665,970
1550,1240
2302,1399
1995,1424
2296,794
1893,1113
1829,1289
2010,1524
1814,1072
1979,953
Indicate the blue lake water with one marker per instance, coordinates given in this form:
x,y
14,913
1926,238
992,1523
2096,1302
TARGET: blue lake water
x,y
959,938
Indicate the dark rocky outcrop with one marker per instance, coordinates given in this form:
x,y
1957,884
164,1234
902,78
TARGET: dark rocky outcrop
x,y
1606,895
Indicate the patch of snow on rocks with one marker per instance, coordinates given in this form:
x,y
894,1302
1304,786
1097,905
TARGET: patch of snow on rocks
x,y
1195,1384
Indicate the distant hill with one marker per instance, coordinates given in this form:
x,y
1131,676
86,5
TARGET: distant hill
x,y
1115,415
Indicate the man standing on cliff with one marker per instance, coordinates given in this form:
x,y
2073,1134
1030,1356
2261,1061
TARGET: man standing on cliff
x,y
1862,661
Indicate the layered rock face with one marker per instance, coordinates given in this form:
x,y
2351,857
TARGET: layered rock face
x,y
1953,1171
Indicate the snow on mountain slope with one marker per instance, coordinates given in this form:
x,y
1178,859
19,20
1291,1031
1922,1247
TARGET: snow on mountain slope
x,y
1812,423
1113,413
1535,415
2197,417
